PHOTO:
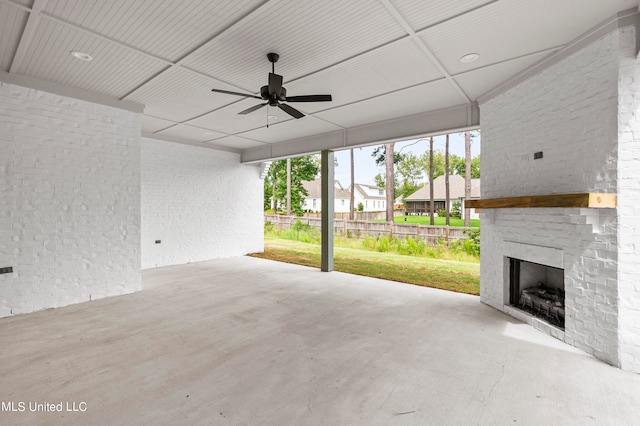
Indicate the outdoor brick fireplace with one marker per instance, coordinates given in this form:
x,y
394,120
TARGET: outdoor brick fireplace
x,y
571,126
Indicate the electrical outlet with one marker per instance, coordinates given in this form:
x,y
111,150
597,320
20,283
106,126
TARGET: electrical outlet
x,y
6,270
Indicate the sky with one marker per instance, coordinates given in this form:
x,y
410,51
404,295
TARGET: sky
x,y
365,164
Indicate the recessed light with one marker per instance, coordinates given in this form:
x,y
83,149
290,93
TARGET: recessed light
x,y
273,117
81,55
470,57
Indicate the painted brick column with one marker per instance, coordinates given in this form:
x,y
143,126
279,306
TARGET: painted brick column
x,y
629,214
328,187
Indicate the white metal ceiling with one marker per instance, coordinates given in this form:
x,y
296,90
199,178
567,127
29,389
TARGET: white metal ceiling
x,y
380,59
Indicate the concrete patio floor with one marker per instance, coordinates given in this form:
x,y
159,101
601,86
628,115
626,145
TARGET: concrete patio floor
x,y
246,341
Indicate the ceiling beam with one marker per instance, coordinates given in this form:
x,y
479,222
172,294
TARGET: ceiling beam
x,y
72,92
27,34
192,143
423,47
449,120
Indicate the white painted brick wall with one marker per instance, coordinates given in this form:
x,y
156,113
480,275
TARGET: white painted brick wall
x,y
570,112
200,203
70,206
629,213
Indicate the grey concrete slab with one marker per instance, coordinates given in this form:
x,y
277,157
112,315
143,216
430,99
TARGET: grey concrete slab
x,y
245,341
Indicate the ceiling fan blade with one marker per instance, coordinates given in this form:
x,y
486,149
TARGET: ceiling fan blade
x,y
253,108
309,98
275,84
291,111
235,93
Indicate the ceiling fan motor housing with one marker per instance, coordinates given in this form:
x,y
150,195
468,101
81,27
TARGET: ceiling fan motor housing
x,y
273,100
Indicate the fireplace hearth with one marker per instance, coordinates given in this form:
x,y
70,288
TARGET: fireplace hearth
x,y
538,290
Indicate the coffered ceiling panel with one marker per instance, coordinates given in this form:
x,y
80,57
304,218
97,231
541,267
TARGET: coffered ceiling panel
x,y
165,28
235,142
290,130
190,133
393,67
12,21
308,35
422,14
414,100
478,82
114,70
180,94
153,124
505,30
228,120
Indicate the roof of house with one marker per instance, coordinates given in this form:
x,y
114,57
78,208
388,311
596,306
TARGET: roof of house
x,y
364,193
314,188
456,189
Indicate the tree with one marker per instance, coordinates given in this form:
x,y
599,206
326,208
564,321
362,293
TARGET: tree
x,y
380,155
269,189
275,184
381,160
438,161
390,180
410,169
459,163
458,166
380,180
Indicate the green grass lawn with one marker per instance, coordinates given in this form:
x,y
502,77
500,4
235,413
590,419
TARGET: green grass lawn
x,y
463,277
439,221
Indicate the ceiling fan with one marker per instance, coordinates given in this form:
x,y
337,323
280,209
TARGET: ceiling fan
x,y
274,93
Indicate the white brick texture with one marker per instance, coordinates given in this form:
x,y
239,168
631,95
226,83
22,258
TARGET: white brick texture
x,y
582,114
200,203
629,213
70,206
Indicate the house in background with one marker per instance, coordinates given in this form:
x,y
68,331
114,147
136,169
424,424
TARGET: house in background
x,y
341,202
373,198
418,202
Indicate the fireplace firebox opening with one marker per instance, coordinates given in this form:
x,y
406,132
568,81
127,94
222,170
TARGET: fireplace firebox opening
x,y
538,290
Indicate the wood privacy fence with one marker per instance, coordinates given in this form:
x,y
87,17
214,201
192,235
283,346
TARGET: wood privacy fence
x,y
362,229
359,215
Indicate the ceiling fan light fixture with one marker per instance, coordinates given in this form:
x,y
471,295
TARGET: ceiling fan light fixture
x,y
469,57
81,55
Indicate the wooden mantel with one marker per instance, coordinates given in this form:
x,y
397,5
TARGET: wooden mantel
x,y
593,200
